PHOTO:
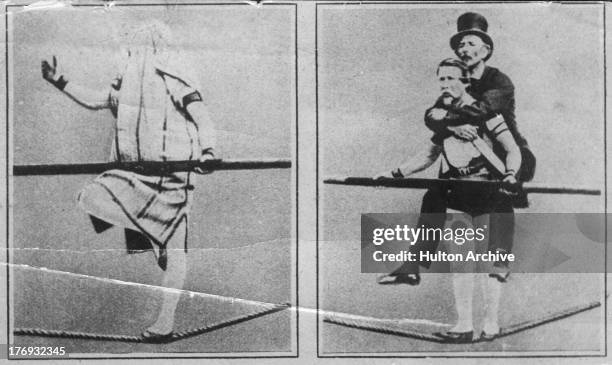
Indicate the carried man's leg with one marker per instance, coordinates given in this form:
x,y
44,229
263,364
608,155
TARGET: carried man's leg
x,y
433,215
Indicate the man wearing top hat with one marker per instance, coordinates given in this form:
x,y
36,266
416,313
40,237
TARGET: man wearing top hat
x,y
494,94
492,89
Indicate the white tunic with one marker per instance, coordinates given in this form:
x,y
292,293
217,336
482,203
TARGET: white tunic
x,y
151,125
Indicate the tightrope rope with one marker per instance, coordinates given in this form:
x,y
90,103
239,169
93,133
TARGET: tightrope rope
x,y
175,336
522,326
377,325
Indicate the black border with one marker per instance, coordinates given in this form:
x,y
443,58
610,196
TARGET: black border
x,y
296,171
429,355
605,186
6,70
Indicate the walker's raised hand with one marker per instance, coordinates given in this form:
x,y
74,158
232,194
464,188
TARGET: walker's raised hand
x,y
49,73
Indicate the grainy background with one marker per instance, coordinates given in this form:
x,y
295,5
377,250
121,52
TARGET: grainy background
x,y
376,65
241,226
376,78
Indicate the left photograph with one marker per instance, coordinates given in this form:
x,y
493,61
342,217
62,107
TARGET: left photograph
x,y
152,201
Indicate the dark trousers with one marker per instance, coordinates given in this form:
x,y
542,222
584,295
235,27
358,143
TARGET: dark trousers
x,y
433,215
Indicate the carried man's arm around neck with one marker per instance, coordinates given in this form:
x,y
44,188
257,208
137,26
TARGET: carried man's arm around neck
x,y
495,100
443,122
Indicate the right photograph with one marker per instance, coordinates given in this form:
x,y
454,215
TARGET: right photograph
x,y
461,180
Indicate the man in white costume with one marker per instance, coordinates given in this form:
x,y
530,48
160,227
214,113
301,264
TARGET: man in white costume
x,y
160,116
469,160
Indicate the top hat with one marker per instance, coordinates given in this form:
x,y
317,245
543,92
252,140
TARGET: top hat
x,y
472,23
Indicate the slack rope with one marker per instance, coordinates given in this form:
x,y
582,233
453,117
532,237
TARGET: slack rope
x,y
377,325
150,167
423,183
139,339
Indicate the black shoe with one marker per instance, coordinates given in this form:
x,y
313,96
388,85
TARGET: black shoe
x,y
488,337
394,279
456,337
501,277
153,337
500,272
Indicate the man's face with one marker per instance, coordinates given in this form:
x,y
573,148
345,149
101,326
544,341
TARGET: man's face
x,y
471,50
451,85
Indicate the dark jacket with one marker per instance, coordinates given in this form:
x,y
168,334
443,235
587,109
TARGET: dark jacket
x,y
494,94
